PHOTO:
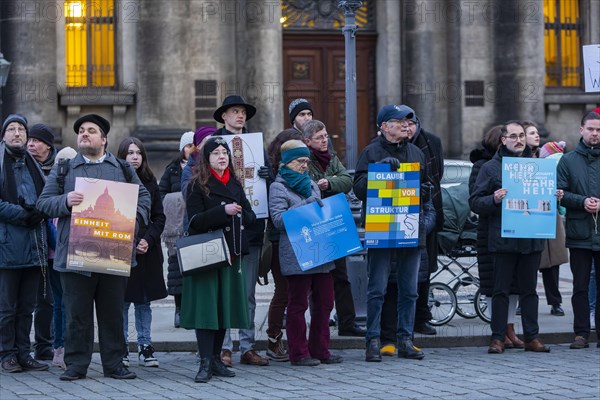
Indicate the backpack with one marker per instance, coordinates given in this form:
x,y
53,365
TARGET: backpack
x,y
63,170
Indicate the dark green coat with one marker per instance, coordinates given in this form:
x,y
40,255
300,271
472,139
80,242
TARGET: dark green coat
x,y
579,176
339,179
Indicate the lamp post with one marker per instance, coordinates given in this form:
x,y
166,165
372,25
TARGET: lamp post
x,y
349,31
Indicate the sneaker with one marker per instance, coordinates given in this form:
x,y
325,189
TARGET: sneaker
x,y
276,350
406,349
388,350
251,357
125,361
307,362
146,356
333,359
32,365
59,358
579,343
11,365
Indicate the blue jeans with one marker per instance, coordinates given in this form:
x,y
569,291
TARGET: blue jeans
x,y
58,316
592,289
380,264
250,265
143,321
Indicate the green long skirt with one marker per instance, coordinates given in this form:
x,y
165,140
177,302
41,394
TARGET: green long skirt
x,y
215,299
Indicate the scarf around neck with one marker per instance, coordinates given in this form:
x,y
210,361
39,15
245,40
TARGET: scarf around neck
x,y
322,157
223,179
300,183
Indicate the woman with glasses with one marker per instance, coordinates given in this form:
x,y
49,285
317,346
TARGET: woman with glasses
x,y
293,188
215,300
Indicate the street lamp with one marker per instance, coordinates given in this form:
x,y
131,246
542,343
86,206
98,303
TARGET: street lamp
x,y
349,31
4,69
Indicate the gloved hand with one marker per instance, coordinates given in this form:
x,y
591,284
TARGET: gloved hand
x,y
393,161
426,189
33,217
263,172
312,199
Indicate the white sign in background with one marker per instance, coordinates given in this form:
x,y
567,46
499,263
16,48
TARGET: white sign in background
x,y
591,67
253,156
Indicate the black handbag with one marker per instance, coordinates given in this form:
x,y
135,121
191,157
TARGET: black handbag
x,y
202,252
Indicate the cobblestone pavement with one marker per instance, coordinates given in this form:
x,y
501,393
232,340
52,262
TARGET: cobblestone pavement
x,y
445,373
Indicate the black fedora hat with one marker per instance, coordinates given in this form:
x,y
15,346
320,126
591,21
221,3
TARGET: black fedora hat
x,y
231,101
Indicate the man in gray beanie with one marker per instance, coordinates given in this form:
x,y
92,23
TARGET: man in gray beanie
x,y
300,113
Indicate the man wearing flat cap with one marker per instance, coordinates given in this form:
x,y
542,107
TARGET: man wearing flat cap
x,y
233,113
83,290
23,250
391,147
40,145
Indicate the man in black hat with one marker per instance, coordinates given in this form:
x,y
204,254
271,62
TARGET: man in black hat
x,y
40,145
300,113
82,290
233,114
21,260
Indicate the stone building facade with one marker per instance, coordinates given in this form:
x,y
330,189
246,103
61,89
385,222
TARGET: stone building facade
x,y
463,65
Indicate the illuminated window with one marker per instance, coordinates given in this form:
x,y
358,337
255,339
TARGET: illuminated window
x,y
89,43
315,14
562,43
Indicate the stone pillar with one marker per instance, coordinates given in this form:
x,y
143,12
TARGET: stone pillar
x,y
389,54
453,146
518,36
29,42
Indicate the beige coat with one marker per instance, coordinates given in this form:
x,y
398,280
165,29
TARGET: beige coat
x,y
555,251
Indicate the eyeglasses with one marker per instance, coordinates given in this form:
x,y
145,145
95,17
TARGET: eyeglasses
x,y
514,136
13,130
302,161
320,138
219,153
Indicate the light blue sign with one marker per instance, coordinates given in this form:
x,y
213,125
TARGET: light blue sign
x,y
322,234
529,208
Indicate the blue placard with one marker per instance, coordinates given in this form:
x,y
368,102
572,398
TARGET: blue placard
x,y
322,234
529,208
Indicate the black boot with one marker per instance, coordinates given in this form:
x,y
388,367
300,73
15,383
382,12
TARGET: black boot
x,y
219,369
406,349
372,354
205,372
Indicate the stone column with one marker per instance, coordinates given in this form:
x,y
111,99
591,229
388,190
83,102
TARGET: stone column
x,y
29,42
518,36
389,54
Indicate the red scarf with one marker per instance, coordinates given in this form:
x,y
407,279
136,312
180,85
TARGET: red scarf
x,y
223,179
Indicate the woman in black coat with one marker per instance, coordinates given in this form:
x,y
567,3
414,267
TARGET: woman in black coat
x,y
146,282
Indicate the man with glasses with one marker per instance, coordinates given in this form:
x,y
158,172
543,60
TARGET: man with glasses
x,y
579,177
331,176
513,257
391,147
24,255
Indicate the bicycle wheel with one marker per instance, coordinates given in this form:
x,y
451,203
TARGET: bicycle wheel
x,y
442,303
465,290
483,306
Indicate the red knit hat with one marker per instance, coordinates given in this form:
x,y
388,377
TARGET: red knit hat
x,y
552,148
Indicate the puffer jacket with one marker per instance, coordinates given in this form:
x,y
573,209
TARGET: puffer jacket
x,y
579,176
281,199
482,202
21,246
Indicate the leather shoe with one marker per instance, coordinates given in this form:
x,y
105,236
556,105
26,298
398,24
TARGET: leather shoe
x,y
32,365
251,357
496,347
537,346
425,329
219,369
332,360
11,365
121,373
70,375
373,354
579,343
356,330
226,358
306,362
205,371
44,355
407,349
557,310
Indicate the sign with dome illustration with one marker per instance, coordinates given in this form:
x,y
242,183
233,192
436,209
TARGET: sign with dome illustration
x,y
103,227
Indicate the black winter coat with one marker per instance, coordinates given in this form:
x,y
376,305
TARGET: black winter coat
x,y
146,282
579,176
482,202
485,260
170,182
207,212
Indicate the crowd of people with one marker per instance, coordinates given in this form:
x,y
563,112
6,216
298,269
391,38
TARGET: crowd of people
x,y
200,192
